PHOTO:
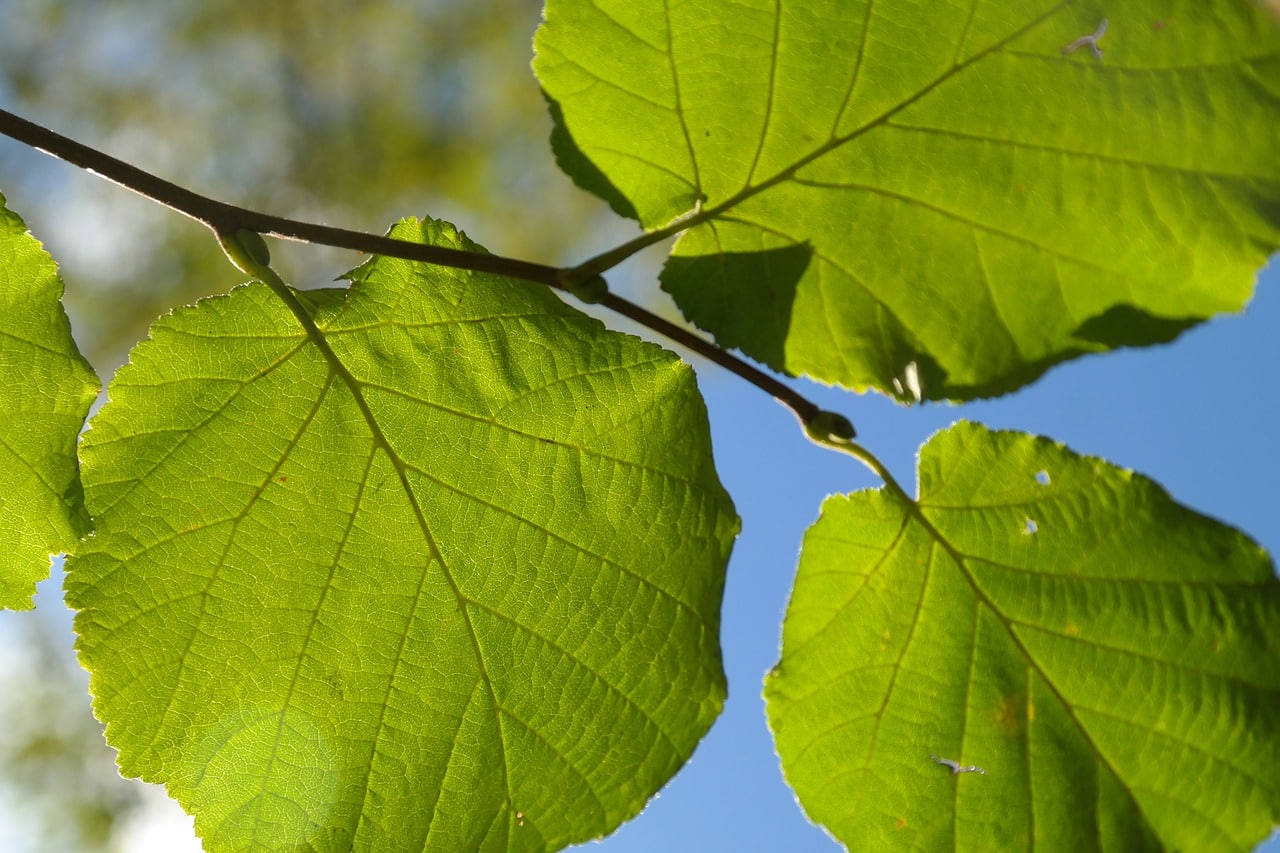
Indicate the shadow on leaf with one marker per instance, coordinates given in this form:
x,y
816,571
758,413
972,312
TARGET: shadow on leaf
x,y
1119,326
1127,326
579,167
760,286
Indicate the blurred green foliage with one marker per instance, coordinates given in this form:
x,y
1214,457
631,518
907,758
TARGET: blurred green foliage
x,y
348,114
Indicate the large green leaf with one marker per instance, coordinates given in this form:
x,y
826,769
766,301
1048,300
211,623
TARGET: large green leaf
x,y
46,388
454,585
876,189
1109,658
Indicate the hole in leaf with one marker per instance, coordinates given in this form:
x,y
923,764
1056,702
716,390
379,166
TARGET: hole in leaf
x,y
1042,477
1031,527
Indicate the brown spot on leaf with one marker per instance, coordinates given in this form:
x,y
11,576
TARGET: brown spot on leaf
x,y
1009,714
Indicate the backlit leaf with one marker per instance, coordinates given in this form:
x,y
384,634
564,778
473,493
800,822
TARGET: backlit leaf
x,y
877,188
454,585
1109,658
46,388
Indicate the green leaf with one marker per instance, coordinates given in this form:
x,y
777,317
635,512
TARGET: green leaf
x,y
46,388
961,195
452,584
1110,658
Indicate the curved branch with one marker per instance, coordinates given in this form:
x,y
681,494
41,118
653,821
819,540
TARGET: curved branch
x,y
228,219
223,218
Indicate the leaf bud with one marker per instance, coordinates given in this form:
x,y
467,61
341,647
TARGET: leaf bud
x,y
830,427
590,291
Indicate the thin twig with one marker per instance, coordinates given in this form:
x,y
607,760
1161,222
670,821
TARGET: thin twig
x,y
223,218
227,219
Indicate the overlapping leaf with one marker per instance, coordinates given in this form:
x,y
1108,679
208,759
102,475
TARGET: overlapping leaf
x,y
46,388
1109,658
454,585
877,189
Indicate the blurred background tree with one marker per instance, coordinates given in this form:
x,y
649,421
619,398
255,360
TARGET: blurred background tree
x,y
351,114
348,114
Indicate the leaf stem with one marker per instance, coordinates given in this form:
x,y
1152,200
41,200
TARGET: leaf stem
x,y
605,261
227,221
866,457
246,251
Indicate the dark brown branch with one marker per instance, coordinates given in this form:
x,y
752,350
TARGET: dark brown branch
x,y
226,219
223,218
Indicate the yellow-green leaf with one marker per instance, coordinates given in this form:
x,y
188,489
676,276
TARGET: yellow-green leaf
x,y
46,388
1107,657
873,189
444,575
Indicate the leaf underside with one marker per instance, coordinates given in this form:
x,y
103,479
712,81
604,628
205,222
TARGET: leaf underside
x,y
46,388
878,189
1106,656
454,585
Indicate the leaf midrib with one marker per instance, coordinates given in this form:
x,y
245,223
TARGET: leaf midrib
x,y
318,339
705,214
403,468
916,510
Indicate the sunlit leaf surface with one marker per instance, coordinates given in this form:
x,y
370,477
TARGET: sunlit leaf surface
x,y
454,586
1109,659
879,189
45,392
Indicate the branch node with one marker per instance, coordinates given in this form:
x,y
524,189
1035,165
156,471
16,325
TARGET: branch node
x,y
830,428
591,290
245,249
